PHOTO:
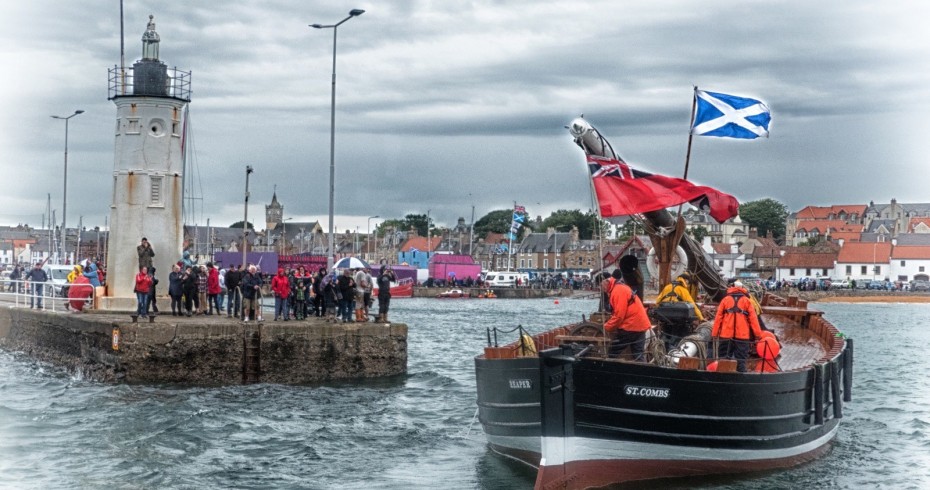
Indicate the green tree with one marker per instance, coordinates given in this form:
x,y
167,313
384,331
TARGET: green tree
x,y
564,219
592,224
397,224
238,224
418,222
765,215
698,232
811,241
497,221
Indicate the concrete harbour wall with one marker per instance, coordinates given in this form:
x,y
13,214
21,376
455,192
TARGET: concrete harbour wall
x,y
205,350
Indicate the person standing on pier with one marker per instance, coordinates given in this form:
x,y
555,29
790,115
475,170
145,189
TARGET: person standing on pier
x,y
142,289
385,277
251,290
37,279
189,285
176,290
202,289
151,304
233,278
221,299
281,287
213,289
362,281
319,300
145,252
346,289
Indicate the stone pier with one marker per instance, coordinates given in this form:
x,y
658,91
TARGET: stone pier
x,y
205,350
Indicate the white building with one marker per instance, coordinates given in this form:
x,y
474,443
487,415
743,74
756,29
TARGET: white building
x,y
864,261
909,263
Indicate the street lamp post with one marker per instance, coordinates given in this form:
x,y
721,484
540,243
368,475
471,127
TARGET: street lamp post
x,y
368,236
245,217
64,199
284,235
330,259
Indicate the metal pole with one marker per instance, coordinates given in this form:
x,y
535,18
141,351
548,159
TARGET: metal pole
x,y
368,236
64,206
471,232
330,258
245,217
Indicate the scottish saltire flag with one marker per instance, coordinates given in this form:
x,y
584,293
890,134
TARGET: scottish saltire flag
x,y
518,218
729,116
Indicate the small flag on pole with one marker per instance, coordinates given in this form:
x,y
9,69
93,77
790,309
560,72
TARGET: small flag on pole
x,y
730,116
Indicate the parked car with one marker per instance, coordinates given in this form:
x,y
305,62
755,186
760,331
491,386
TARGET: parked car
x,y
839,284
876,285
58,276
920,285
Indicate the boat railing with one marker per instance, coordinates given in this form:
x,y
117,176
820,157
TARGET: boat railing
x,y
518,348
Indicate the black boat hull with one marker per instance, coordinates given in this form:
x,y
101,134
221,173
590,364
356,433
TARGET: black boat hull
x,y
629,421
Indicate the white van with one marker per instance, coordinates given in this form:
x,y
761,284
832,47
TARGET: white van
x,y
506,279
58,276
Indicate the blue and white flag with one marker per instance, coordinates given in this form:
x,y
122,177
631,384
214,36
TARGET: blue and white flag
x,y
729,116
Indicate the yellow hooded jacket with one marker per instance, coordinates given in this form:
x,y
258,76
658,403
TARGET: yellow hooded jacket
x,y
678,291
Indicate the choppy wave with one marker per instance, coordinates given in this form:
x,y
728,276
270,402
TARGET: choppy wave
x,y
411,431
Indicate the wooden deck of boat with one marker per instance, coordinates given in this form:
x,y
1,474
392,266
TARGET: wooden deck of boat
x,y
800,347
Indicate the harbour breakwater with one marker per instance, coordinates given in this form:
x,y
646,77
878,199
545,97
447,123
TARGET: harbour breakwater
x,y
204,350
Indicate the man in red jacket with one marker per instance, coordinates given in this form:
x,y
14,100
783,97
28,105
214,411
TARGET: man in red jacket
x,y
281,287
736,319
629,322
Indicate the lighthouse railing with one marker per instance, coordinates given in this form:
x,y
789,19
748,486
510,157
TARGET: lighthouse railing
x,y
178,83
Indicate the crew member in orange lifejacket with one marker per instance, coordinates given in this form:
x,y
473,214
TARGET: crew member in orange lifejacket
x,y
736,325
629,322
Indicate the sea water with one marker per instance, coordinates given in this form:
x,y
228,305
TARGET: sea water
x,y
417,430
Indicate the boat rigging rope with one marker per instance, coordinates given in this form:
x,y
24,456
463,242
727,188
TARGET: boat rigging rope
x,y
465,433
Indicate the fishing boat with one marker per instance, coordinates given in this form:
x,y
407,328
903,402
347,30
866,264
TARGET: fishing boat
x,y
402,288
587,419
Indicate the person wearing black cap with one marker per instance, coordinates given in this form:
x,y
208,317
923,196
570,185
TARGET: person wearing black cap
x,y
385,276
145,252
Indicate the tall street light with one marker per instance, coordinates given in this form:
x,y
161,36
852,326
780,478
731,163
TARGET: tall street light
x,y
245,217
368,237
64,204
330,259
284,235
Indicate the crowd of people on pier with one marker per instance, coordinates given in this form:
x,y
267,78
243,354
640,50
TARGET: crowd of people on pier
x,y
298,293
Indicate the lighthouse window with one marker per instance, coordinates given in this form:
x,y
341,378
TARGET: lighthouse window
x,y
132,125
156,195
156,128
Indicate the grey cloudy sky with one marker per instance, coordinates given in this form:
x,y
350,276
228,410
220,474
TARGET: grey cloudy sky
x,y
445,104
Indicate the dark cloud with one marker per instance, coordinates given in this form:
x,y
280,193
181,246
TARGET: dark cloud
x,y
446,105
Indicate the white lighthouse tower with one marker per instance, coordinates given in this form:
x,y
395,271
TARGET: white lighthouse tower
x,y
148,169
